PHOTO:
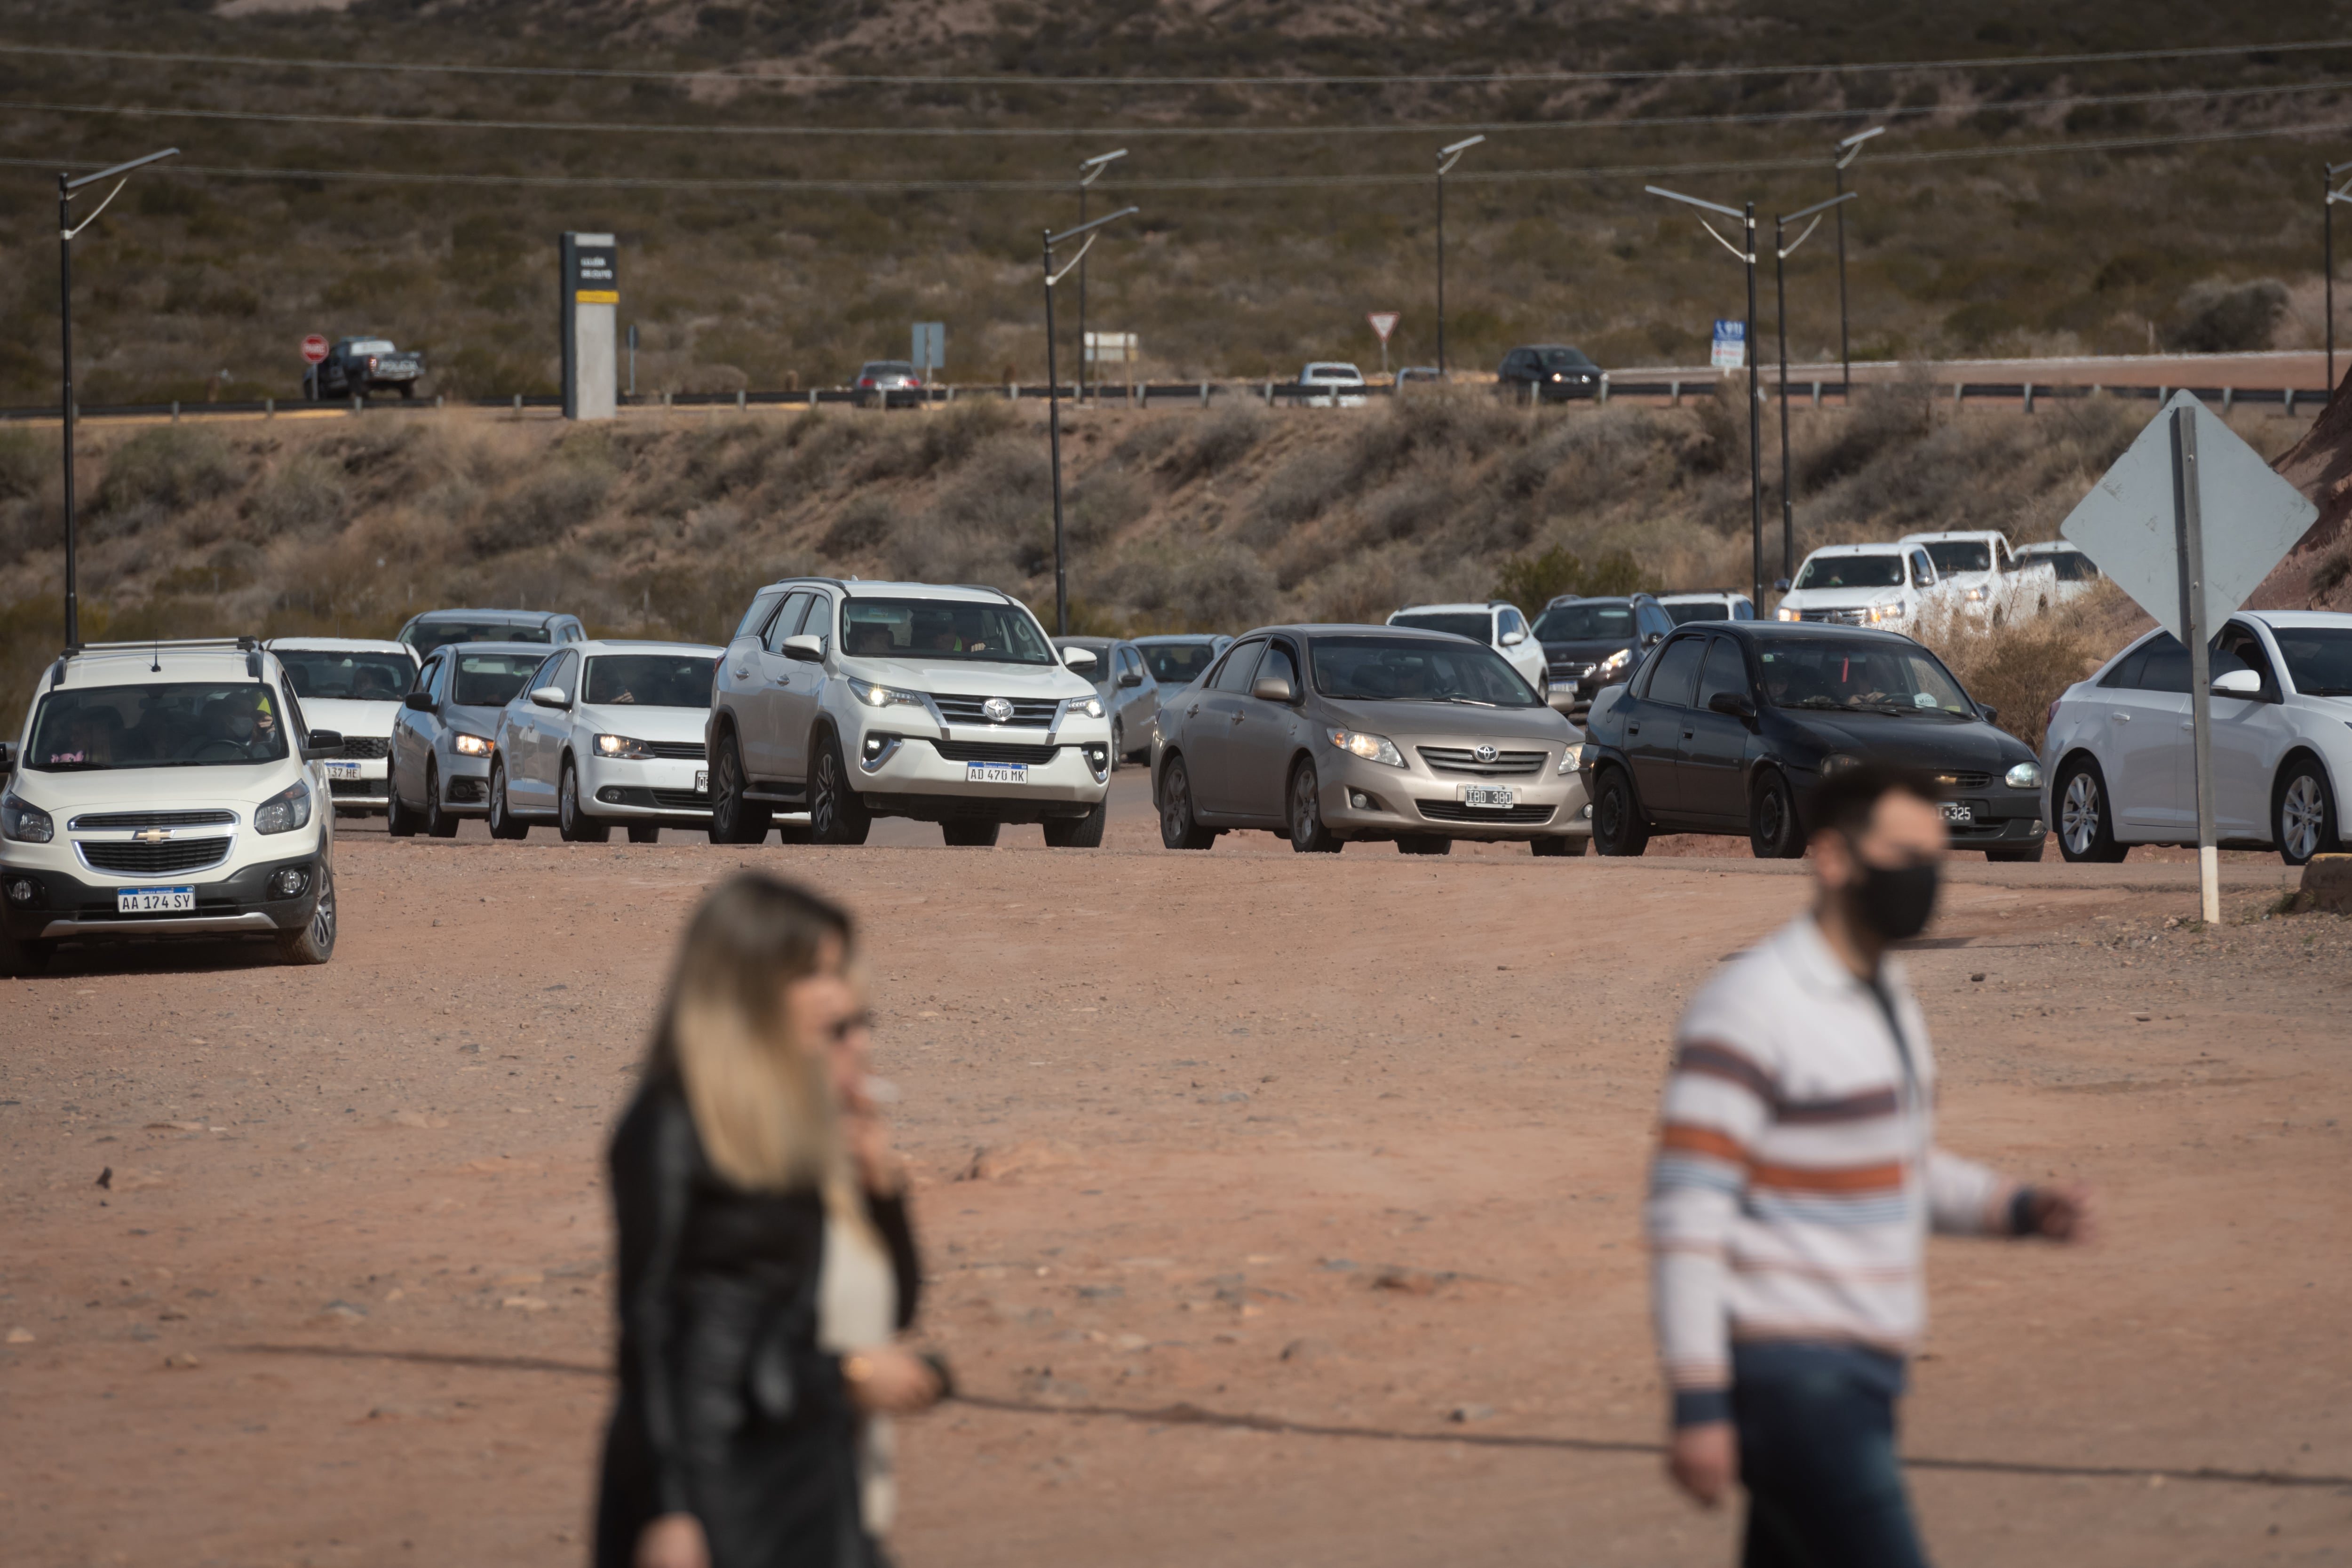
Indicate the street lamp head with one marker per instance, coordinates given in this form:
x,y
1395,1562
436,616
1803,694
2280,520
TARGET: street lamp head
x,y
1103,158
70,186
1091,169
1693,201
1850,147
1463,146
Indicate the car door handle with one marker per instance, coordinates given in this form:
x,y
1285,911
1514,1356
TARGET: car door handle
x,y
1237,718
1193,711
1686,734
2189,723
1632,729
2120,718
740,672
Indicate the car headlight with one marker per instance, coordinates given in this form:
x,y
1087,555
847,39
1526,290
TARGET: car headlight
x,y
284,812
875,695
1372,748
1571,759
1617,660
1786,616
1090,706
622,746
2025,775
25,822
1838,764
1974,596
470,745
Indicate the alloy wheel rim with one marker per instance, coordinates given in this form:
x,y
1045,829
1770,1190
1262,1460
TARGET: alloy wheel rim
x,y
568,802
322,916
1179,813
822,813
1302,817
2080,820
2300,811
498,798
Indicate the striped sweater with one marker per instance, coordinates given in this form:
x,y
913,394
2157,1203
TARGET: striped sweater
x,y
1797,1174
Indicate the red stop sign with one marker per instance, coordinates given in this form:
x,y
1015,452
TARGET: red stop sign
x,y
314,349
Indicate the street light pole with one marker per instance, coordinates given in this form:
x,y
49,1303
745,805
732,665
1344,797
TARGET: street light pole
x,y
1446,158
2327,252
68,188
1088,173
1054,407
1754,393
1780,254
1847,151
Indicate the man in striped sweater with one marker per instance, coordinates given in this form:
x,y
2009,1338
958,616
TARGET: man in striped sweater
x,y
1796,1180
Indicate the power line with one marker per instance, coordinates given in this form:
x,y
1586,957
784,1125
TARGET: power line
x,y
1214,182
422,123
1129,83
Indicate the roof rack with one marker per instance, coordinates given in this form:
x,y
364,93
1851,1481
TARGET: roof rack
x,y
223,645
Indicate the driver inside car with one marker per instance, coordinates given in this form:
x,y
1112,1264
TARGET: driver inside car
x,y
244,722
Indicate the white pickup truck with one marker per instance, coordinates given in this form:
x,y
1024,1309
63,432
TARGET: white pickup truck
x,y
1981,578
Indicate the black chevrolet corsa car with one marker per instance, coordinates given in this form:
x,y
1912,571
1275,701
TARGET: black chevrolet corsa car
x,y
1727,725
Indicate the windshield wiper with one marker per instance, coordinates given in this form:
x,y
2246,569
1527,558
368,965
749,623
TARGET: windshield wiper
x,y
2326,691
1470,702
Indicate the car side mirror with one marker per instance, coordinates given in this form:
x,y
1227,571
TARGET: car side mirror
x,y
1738,704
418,702
323,743
1077,658
8,756
2238,683
1779,585
1513,639
1130,678
804,648
1651,639
1272,689
552,697
1991,714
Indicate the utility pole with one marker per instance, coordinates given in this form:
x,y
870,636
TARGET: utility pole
x,y
1446,158
1054,407
1088,173
1847,151
2327,251
1780,254
1746,256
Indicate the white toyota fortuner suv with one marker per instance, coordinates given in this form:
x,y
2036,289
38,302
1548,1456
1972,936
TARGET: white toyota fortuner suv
x,y
162,790
852,701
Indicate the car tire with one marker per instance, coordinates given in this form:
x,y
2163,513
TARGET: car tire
x,y
399,822
2302,813
504,825
969,833
733,819
1078,832
1773,831
438,822
837,814
1117,744
1178,828
1423,843
1617,826
2086,830
1308,834
315,943
573,824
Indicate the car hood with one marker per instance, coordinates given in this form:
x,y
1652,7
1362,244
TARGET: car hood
x,y
1932,744
961,677
641,723
1839,598
482,722
240,785
1448,723
346,717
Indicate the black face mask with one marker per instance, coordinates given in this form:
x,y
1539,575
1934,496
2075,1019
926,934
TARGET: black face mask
x,y
1895,904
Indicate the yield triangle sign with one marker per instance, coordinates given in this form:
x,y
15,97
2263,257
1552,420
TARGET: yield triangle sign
x,y
1384,322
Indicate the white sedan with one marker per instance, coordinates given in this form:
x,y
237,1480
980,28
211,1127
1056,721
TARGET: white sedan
x,y
2121,763
352,686
1342,381
606,732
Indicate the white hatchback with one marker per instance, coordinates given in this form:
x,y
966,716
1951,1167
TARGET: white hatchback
x,y
2120,756
606,732
354,686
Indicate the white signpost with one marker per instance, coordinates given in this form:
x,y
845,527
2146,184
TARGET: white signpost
x,y
1730,345
2188,522
1384,322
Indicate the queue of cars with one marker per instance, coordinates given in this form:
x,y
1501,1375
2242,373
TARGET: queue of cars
x,y
1972,573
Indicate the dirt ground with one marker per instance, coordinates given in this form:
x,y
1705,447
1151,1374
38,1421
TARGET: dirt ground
x,y
1277,1210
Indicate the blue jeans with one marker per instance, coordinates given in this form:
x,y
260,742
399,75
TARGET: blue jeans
x,y
1816,1427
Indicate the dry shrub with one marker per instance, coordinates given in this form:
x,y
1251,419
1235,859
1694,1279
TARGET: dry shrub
x,y
1219,441
548,506
170,466
27,465
1106,501
1419,505
865,526
1452,428
2018,668
1296,492
303,495
1368,590
1221,588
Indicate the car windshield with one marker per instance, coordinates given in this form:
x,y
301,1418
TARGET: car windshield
x,y
1415,669
942,629
2071,565
327,675
1333,372
1563,359
427,636
491,680
1585,622
1701,610
165,725
650,679
2319,658
1952,556
889,367
1843,675
1178,663
1476,625
372,346
1852,571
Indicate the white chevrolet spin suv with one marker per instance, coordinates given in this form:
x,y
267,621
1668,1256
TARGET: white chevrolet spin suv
x,y
852,701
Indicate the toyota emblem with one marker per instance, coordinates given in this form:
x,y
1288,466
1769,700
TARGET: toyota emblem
x,y
1486,753
998,709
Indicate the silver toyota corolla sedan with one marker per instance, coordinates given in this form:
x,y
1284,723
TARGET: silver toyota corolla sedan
x,y
1329,733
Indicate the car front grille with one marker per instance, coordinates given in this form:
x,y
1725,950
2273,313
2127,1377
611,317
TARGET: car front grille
x,y
677,751
155,859
1514,816
967,710
1571,671
1964,781
366,748
371,789
1836,617
993,751
679,800
101,821
1462,760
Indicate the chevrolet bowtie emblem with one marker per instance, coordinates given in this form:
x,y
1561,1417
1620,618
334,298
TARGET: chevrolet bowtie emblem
x,y
152,834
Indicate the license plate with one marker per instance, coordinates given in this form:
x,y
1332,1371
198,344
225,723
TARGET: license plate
x,y
1491,796
149,901
702,780
996,773
343,770
1960,812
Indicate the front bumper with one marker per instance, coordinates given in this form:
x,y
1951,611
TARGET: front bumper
x,y
1998,823
465,785
1370,800
654,789
358,787
930,778
47,903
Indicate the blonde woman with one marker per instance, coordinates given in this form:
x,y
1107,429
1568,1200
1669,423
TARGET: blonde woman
x,y
765,1260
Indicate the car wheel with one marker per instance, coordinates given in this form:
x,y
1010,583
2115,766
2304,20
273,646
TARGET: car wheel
x,y
573,824
836,816
439,823
1308,836
2302,820
2085,830
1078,832
733,819
1617,824
315,943
1117,744
1772,830
1423,843
399,822
969,833
503,824
1177,830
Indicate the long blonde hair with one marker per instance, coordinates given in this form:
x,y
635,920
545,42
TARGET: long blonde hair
x,y
761,1101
